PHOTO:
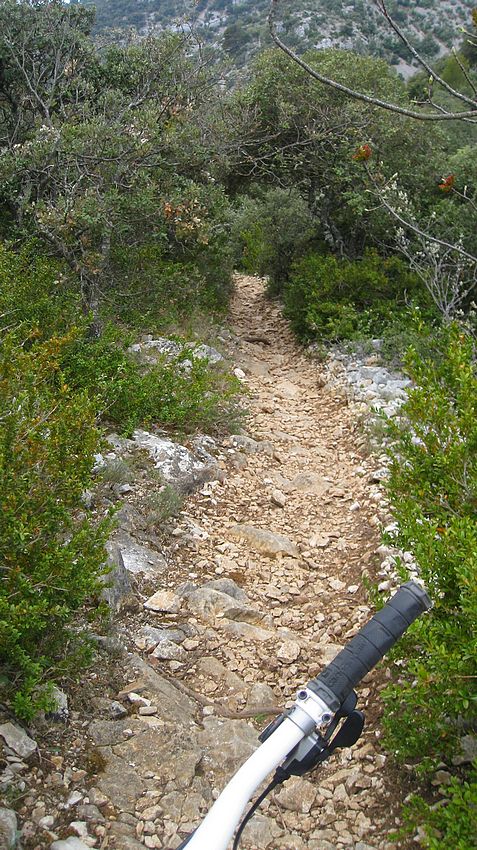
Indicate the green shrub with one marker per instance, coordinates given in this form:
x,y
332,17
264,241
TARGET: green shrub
x,y
341,299
450,825
162,505
433,493
269,232
33,292
152,291
50,557
184,396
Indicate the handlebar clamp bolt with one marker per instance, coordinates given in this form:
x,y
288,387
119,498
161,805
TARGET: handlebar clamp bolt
x,y
302,695
326,718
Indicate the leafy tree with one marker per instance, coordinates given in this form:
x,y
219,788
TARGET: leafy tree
x,y
288,130
92,143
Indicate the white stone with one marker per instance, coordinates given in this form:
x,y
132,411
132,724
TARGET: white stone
x,y
163,600
17,739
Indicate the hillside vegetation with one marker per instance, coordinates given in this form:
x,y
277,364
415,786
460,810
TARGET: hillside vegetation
x,y
132,182
239,27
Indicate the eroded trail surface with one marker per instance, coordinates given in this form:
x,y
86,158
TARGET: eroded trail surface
x,y
265,586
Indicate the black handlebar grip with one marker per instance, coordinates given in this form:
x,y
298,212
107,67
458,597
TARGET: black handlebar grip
x,y
364,651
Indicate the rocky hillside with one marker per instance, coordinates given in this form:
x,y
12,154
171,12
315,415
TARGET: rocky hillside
x,y
239,26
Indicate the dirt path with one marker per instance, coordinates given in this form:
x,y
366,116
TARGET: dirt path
x,y
260,588
299,476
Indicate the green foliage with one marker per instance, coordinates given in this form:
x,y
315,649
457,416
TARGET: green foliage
x,y
269,231
433,493
184,394
50,558
336,299
163,505
33,292
451,824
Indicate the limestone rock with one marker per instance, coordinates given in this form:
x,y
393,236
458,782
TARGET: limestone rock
x,y
153,635
152,350
230,587
136,557
244,443
211,668
297,795
174,706
278,498
288,651
266,542
117,581
468,750
71,843
226,745
8,829
163,600
310,482
208,604
172,754
247,631
59,711
262,832
166,650
17,739
260,694
176,464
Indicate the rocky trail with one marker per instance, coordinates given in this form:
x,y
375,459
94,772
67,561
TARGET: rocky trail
x,y
261,585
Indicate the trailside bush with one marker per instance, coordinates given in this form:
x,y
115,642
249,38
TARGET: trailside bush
x,y
433,494
50,556
452,826
185,396
332,298
269,232
33,291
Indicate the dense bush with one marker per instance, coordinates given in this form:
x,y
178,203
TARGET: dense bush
x,y
433,494
336,299
269,231
34,292
183,396
50,557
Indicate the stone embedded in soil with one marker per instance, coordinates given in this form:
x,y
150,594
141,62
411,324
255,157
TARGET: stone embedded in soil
x,y
177,465
297,795
166,650
226,745
265,542
71,843
247,631
17,739
278,498
136,557
319,541
310,482
260,694
163,600
288,651
8,829
208,604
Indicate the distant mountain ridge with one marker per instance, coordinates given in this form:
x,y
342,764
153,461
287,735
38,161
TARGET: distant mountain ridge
x,y
239,27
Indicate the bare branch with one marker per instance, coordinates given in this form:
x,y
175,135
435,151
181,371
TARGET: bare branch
x,y
408,225
381,5
357,95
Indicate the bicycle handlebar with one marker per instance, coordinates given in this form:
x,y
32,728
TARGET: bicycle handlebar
x,y
373,640
314,707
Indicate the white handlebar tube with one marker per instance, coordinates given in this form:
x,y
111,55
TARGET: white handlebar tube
x,y
219,825
314,708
